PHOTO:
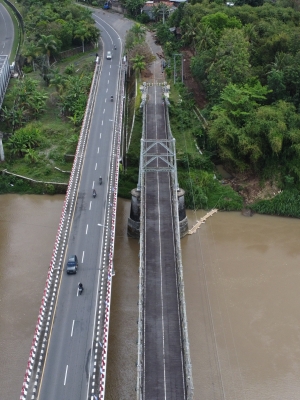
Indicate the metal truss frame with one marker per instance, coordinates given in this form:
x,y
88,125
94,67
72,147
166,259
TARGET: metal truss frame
x,y
149,156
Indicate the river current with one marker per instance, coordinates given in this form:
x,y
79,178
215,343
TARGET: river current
x,y
242,279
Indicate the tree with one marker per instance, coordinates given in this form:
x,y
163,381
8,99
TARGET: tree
x,y
31,51
138,63
82,33
47,44
231,62
134,6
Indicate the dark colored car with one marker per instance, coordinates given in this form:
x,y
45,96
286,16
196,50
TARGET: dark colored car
x,y
72,265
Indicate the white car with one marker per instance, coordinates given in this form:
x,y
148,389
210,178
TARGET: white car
x,y
108,55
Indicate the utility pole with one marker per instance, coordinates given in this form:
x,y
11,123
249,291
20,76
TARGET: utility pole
x,y
1,148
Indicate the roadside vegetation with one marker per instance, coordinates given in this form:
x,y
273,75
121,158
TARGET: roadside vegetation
x,y
245,59
43,110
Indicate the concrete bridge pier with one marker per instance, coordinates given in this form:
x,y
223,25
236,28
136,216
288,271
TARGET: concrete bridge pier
x,y
183,221
133,228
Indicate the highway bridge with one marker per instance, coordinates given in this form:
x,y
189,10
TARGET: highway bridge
x,y
68,356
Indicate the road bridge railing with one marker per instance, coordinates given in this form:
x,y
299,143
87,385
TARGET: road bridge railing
x,y
179,271
42,331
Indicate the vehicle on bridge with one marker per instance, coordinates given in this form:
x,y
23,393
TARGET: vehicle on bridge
x,y
108,55
72,265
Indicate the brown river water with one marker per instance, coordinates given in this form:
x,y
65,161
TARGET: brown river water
x,y
242,279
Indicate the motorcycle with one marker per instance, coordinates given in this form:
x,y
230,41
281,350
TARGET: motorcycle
x,y
115,47
94,193
80,288
100,181
111,98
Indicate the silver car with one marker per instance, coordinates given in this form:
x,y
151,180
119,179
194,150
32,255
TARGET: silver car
x,y
108,55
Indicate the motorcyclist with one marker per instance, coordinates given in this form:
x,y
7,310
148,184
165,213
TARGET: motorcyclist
x,y
111,98
80,286
100,180
94,193
115,47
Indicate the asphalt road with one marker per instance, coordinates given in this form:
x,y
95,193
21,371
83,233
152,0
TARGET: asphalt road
x,y
68,361
163,358
6,32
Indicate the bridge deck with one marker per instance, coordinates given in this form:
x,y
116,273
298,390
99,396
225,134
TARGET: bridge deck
x,y
163,359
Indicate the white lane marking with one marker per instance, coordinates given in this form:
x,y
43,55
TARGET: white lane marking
x,y
110,66
87,228
108,82
72,327
93,184
66,375
82,257
104,111
105,101
100,135
98,151
102,122
95,166
106,90
90,204
109,73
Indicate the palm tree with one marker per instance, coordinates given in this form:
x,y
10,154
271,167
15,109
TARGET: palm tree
x,y
47,44
138,63
31,51
139,31
205,39
82,32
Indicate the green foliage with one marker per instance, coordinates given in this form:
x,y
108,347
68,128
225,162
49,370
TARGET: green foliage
x,y
134,6
286,203
220,21
202,190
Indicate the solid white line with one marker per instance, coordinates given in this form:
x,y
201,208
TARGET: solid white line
x,y
72,327
66,375
82,256
90,204
161,272
95,166
87,228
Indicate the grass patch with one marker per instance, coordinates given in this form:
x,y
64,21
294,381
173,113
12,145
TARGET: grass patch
x,y
285,203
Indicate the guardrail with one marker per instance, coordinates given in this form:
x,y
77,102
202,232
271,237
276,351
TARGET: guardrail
x,y
45,318
140,358
180,281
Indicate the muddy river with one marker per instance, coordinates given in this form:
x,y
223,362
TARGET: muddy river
x,y
241,277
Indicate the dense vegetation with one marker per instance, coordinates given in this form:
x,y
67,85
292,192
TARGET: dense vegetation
x,y
246,59
43,111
